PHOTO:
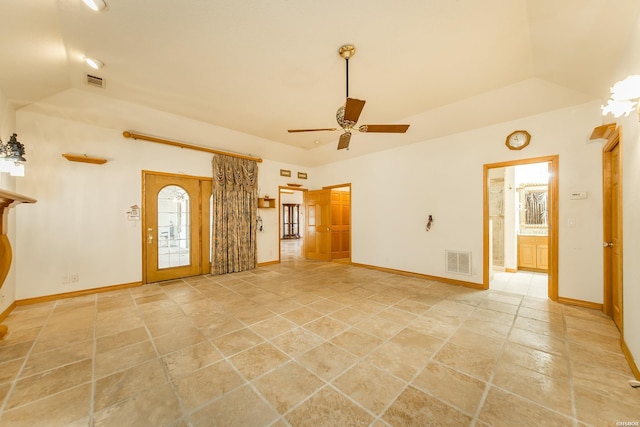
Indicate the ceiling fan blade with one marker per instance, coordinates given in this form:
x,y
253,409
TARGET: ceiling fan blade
x,y
384,128
310,130
344,140
352,109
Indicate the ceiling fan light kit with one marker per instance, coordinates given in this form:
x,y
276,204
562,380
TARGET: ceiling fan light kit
x,y
348,114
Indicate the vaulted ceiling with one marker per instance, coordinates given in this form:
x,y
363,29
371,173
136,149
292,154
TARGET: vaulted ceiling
x,y
262,67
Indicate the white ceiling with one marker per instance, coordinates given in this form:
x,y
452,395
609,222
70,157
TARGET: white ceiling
x,y
262,67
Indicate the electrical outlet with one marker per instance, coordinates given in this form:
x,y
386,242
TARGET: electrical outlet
x,y
75,278
65,280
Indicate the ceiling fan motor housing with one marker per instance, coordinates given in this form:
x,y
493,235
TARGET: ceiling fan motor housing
x,y
348,114
344,124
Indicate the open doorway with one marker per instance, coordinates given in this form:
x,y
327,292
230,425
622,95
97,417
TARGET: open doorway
x,y
521,227
291,223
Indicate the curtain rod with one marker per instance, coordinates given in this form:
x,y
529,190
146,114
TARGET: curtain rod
x,y
128,134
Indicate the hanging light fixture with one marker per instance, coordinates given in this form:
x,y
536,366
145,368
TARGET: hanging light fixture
x,y
624,97
12,156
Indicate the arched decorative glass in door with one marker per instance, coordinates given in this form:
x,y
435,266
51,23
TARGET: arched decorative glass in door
x,y
174,244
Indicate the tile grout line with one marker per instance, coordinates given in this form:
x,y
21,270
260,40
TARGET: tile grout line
x,y
247,382
429,360
502,356
227,358
420,370
26,359
538,404
489,382
574,409
185,414
329,383
94,352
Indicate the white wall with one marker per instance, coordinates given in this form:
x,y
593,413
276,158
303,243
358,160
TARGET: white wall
x,y
394,191
79,224
270,179
7,127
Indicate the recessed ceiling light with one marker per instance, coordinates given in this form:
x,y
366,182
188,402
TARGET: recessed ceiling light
x,y
96,5
93,63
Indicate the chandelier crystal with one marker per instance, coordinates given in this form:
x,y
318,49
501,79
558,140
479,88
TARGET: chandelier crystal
x,y
12,156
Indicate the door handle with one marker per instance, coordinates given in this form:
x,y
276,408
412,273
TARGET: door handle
x,y
150,235
607,244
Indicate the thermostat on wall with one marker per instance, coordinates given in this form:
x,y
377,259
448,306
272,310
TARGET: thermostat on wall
x,y
578,195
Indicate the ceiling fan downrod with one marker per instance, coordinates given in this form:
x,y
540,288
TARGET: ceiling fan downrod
x,y
347,79
347,51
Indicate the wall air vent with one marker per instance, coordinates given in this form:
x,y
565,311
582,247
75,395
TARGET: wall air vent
x,y
95,81
458,262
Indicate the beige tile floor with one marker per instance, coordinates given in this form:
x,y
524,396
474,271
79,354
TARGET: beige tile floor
x,y
307,343
522,282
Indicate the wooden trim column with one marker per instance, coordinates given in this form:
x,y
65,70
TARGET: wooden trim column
x,y
7,201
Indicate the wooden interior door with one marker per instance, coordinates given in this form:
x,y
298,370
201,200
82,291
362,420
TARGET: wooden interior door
x,y
612,230
176,226
340,224
317,235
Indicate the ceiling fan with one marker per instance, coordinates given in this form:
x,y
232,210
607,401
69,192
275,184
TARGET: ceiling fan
x,y
348,114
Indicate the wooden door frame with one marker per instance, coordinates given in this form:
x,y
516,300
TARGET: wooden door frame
x,y
204,241
554,183
613,140
279,205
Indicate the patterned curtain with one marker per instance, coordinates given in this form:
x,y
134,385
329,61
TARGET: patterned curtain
x,y
536,208
235,210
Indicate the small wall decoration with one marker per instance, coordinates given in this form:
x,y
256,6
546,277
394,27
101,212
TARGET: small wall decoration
x,y
285,172
302,175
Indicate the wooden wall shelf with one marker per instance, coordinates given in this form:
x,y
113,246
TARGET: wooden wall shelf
x,y
266,203
84,159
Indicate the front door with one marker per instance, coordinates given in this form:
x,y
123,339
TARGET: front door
x,y
612,230
317,237
176,226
